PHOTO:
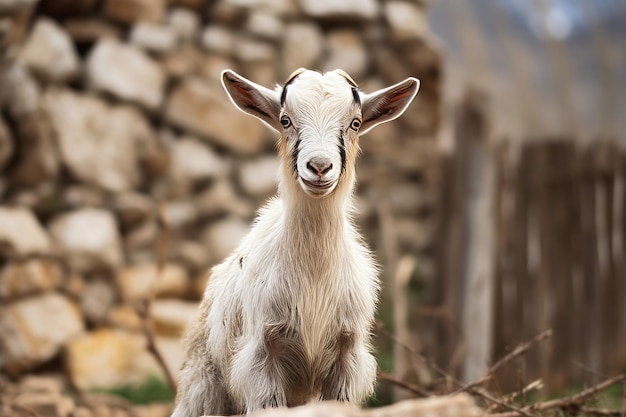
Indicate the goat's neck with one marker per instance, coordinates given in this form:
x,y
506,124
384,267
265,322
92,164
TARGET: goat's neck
x,y
316,224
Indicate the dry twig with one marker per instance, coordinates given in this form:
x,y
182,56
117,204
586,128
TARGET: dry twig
x,y
536,384
518,351
420,392
447,376
144,309
575,400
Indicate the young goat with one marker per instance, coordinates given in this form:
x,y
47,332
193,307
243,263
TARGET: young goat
x,y
286,317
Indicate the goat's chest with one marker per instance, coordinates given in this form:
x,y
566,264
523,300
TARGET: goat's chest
x,y
319,310
322,308
316,292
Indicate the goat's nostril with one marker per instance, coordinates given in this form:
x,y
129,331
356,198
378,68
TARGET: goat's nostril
x,y
319,167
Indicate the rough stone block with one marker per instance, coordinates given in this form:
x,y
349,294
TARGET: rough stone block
x,y
108,358
139,281
346,9
131,11
21,233
218,39
90,30
100,144
171,316
32,276
20,94
265,25
406,19
34,329
126,72
194,162
133,208
259,177
97,300
221,198
302,47
346,51
223,236
203,108
89,238
184,23
49,52
153,38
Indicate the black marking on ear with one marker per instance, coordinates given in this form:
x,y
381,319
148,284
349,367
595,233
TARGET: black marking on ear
x,y
342,152
356,96
241,262
294,157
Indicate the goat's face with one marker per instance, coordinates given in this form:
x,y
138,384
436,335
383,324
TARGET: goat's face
x,y
320,117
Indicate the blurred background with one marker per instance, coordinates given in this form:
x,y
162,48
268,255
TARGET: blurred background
x,y
495,206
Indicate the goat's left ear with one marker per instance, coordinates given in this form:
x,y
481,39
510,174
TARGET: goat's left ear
x,y
252,98
387,104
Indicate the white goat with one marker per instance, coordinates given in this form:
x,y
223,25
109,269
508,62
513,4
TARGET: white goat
x,y
286,318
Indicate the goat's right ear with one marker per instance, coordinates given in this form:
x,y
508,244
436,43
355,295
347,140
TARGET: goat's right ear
x,y
387,104
253,98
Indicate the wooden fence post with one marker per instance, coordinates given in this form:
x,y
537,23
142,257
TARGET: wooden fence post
x,y
478,274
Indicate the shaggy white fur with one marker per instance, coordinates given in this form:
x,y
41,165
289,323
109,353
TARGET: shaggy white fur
x,y
286,318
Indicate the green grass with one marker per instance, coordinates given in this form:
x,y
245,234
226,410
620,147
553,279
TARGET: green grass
x,y
154,390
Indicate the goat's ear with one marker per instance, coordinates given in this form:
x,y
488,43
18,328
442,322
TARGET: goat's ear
x,y
252,98
387,104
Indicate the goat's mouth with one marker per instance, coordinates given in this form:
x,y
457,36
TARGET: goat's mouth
x,y
318,188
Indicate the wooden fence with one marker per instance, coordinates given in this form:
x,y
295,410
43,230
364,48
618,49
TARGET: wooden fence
x,y
532,236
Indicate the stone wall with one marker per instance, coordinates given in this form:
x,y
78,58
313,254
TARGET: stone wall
x,y
112,111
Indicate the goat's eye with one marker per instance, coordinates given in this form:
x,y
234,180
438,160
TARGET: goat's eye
x,y
285,121
355,125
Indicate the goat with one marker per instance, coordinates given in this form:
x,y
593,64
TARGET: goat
x,y
286,318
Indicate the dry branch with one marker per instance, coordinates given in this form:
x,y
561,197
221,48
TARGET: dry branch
x,y
420,392
518,351
521,349
447,375
567,402
537,384
145,308
575,401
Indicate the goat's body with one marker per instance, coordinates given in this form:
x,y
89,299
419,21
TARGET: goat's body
x,y
286,318
296,303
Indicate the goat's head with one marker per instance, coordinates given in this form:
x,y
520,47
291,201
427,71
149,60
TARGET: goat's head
x,y
320,117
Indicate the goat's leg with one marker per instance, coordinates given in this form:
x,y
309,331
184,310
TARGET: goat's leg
x,y
202,391
352,375
264,366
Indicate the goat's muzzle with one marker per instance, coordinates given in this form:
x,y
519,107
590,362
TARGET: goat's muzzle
x,y
317,188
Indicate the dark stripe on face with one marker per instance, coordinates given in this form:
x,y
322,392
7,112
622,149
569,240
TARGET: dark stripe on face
x,y
342,152
294,157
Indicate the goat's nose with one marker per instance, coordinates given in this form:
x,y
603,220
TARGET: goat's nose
x,y
319,166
